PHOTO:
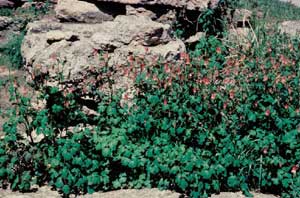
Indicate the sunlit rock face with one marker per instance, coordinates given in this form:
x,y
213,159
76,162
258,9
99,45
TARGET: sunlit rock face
x,y
188,4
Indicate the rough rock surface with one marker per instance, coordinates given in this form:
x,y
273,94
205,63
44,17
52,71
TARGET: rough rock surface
x,y
139,11
290,27
6,3
80,11
195,38
241,17
68,48
188,4
4,22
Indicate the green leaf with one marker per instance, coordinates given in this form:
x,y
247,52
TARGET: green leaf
x,y
232,181
66,189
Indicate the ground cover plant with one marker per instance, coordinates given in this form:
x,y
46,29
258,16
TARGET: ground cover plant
x,y
221,119
273,11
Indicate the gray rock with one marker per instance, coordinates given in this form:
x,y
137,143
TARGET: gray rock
x,y
67,48
80,11
131,29
195,38
290,27
6,3
188,4
241,17
140,11
5,22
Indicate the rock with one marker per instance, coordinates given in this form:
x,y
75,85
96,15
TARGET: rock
x,y
140,11
195,38
241,17
123,31
168,18
242,37
5,22
188,4
6,3
168,52
54,48
240,195
290,27
80,11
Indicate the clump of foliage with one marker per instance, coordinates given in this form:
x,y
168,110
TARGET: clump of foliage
x,y
273,10
11,49
221,119
6,12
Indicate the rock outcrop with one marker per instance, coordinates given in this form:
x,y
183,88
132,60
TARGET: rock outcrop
x,y
187,4
80,11
68,48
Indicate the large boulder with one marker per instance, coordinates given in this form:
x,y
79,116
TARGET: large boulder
x,y
68,48
80,11
188,4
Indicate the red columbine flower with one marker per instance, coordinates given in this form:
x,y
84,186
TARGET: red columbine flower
x,y
188,60
205,81
183,55
213,96
218,50
165,101
225,105
265,150
268,112
167,68
231,94
142,66
295,169
194,90
130,59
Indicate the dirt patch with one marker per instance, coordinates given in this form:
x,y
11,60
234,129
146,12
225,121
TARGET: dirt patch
x,y
46,192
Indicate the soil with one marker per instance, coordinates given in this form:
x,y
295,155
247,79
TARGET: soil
x,y
45,192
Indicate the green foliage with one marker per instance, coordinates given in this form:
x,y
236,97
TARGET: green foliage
x,y
220,119
12,50
6,12
274,10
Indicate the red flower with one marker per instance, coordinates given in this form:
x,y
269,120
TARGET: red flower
x,y
167,68
231,94
265,150
295,169
286,106
165,101
142,66
183,55
194,90
205,81
188,60
268,112
218,50
225,105
213,96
